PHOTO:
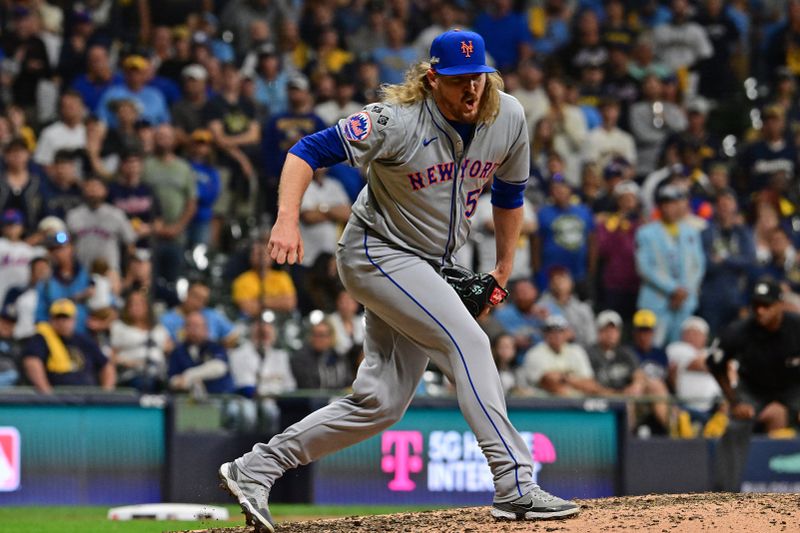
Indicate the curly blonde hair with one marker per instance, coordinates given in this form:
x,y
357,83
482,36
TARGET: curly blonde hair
x,y
416,88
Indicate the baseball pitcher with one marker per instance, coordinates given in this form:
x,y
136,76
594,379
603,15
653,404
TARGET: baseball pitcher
x,y
429,149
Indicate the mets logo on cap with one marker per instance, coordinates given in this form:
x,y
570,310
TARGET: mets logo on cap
x,y
458,53
357,126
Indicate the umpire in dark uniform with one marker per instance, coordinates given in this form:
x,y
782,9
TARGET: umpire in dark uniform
x,y
767,347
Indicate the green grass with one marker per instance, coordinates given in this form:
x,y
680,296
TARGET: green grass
x,y
93,519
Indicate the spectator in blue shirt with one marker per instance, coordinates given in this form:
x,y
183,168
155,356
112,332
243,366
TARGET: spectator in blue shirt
x,y
80,33
219,328
522,318
271,90
219,48
654,364
670,263
136,71
198,361
652,359
68,280
553,32
506,32
208,187
99,77
394,58
565,230
730,259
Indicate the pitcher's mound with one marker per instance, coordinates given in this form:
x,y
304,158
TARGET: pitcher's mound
x,y
658,513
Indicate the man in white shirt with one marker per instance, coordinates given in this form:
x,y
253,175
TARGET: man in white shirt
x,y
69,133
608,141
259,371
557,366
25,298
694,385
324,206
264,373
15,254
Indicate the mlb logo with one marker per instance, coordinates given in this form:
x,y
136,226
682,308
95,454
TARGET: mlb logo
x,y
9,459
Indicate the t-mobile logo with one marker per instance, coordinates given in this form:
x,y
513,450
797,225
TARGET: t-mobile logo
x,y
406,458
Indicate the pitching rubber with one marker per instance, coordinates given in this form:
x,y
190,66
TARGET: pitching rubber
x,y
531,515
252,517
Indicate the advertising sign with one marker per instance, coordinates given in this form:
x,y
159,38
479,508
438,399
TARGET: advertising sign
x,y
773,465
431,457
81,454
9,459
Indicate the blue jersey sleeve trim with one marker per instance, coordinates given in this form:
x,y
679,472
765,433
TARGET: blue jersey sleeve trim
x,y
346,146
507,195
320,149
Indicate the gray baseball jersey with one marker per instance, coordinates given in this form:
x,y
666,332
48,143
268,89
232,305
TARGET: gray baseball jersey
x,y
98,233
413,155
423,187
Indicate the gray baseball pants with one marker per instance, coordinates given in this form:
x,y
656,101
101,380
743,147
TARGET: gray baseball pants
x,y
412,315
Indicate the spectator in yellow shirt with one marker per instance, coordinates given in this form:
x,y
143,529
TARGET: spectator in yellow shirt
x,y
275,287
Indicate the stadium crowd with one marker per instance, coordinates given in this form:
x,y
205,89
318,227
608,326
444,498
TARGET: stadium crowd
x,y
142,143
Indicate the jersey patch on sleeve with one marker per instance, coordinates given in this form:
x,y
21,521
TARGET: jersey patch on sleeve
x,y
357,126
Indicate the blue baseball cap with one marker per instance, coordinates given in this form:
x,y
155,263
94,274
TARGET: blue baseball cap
x,y
12,216
82,17
457,52
615,168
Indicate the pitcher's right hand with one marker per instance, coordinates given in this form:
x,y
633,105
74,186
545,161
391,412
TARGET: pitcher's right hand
x,y
285,243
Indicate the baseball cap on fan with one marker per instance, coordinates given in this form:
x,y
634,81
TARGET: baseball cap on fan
x,y
607,318
63,307
457,52
644,319
555,323
766,291
12,216
298,82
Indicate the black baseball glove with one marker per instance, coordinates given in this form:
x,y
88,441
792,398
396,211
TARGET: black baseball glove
x,y
477,291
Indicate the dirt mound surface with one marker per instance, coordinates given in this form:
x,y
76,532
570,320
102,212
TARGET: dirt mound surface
x,y
658,513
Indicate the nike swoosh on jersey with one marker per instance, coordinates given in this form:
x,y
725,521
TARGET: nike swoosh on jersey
x,y
426,142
